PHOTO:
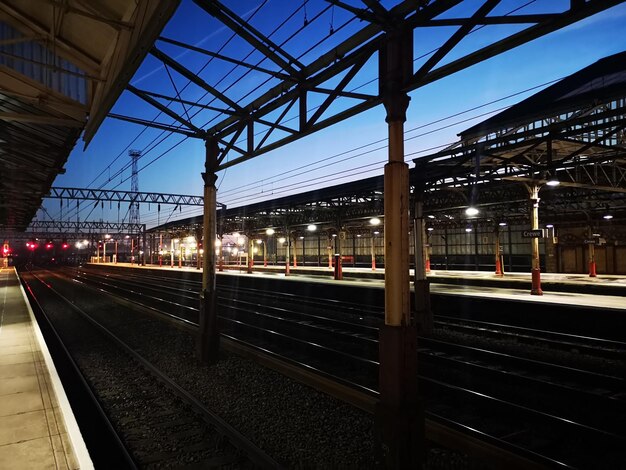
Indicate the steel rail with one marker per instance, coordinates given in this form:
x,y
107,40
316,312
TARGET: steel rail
x,y
255,454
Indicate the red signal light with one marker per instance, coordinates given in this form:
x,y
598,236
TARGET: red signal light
x,y
48,245
65,246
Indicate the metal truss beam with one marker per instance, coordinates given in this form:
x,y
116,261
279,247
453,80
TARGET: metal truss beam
x,y
259,41
124,196
84,227
295,82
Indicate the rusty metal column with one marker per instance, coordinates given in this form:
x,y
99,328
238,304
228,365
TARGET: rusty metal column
x,y
497,252
534,220
287,254
330,252
250,254
399,413
338,273
208,335
143,246
373,250
592,253
295,251
423,314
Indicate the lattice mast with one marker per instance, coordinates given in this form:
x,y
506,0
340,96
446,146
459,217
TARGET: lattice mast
x,y
134,186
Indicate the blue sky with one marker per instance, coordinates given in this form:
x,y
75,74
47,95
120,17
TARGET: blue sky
x,y
354,148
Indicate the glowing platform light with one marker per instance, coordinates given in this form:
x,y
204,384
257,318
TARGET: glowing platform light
x,y
471,211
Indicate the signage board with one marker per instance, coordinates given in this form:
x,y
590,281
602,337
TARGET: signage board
x,y
532,233
590,241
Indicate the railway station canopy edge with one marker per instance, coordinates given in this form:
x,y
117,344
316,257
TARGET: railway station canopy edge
x,y
62,67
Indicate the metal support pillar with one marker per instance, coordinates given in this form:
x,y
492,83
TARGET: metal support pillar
x,y
373,252
288,237
592,255
208,334
98,251
497,254
115,251
143,246
399,413
172,253
534,220
423,314
338,262
250,254
330,253
295,251
265,253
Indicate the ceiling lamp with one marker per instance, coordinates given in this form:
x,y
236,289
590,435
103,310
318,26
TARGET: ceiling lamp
x,y
269,231
374,221
553,181
312,228
471,211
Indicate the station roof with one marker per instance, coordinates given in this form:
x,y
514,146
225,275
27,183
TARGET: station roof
x,y
62,67
600,82
581,119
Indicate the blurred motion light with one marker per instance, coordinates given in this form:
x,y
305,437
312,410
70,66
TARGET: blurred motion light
x,y
549,226
608,217
430,229
468,229
502,224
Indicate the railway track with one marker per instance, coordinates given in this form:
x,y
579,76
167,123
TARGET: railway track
x,y
339,340
178,429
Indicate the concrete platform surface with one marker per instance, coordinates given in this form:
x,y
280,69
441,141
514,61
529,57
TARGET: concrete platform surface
x,y
37,427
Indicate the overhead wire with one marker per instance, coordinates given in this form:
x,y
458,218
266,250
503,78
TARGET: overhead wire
x,y
308,165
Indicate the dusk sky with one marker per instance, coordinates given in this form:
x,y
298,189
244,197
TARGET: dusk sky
x,y
353,149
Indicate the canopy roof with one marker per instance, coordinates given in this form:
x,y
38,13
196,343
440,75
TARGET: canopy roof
x,y
62,67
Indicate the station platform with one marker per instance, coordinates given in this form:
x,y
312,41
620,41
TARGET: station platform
x,y
601,292
37,427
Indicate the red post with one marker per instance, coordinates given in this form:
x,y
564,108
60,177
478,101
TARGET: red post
x,y
592,269
498,266
338,268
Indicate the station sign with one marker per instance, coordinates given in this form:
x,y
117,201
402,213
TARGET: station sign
x,y
532,233
590,241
